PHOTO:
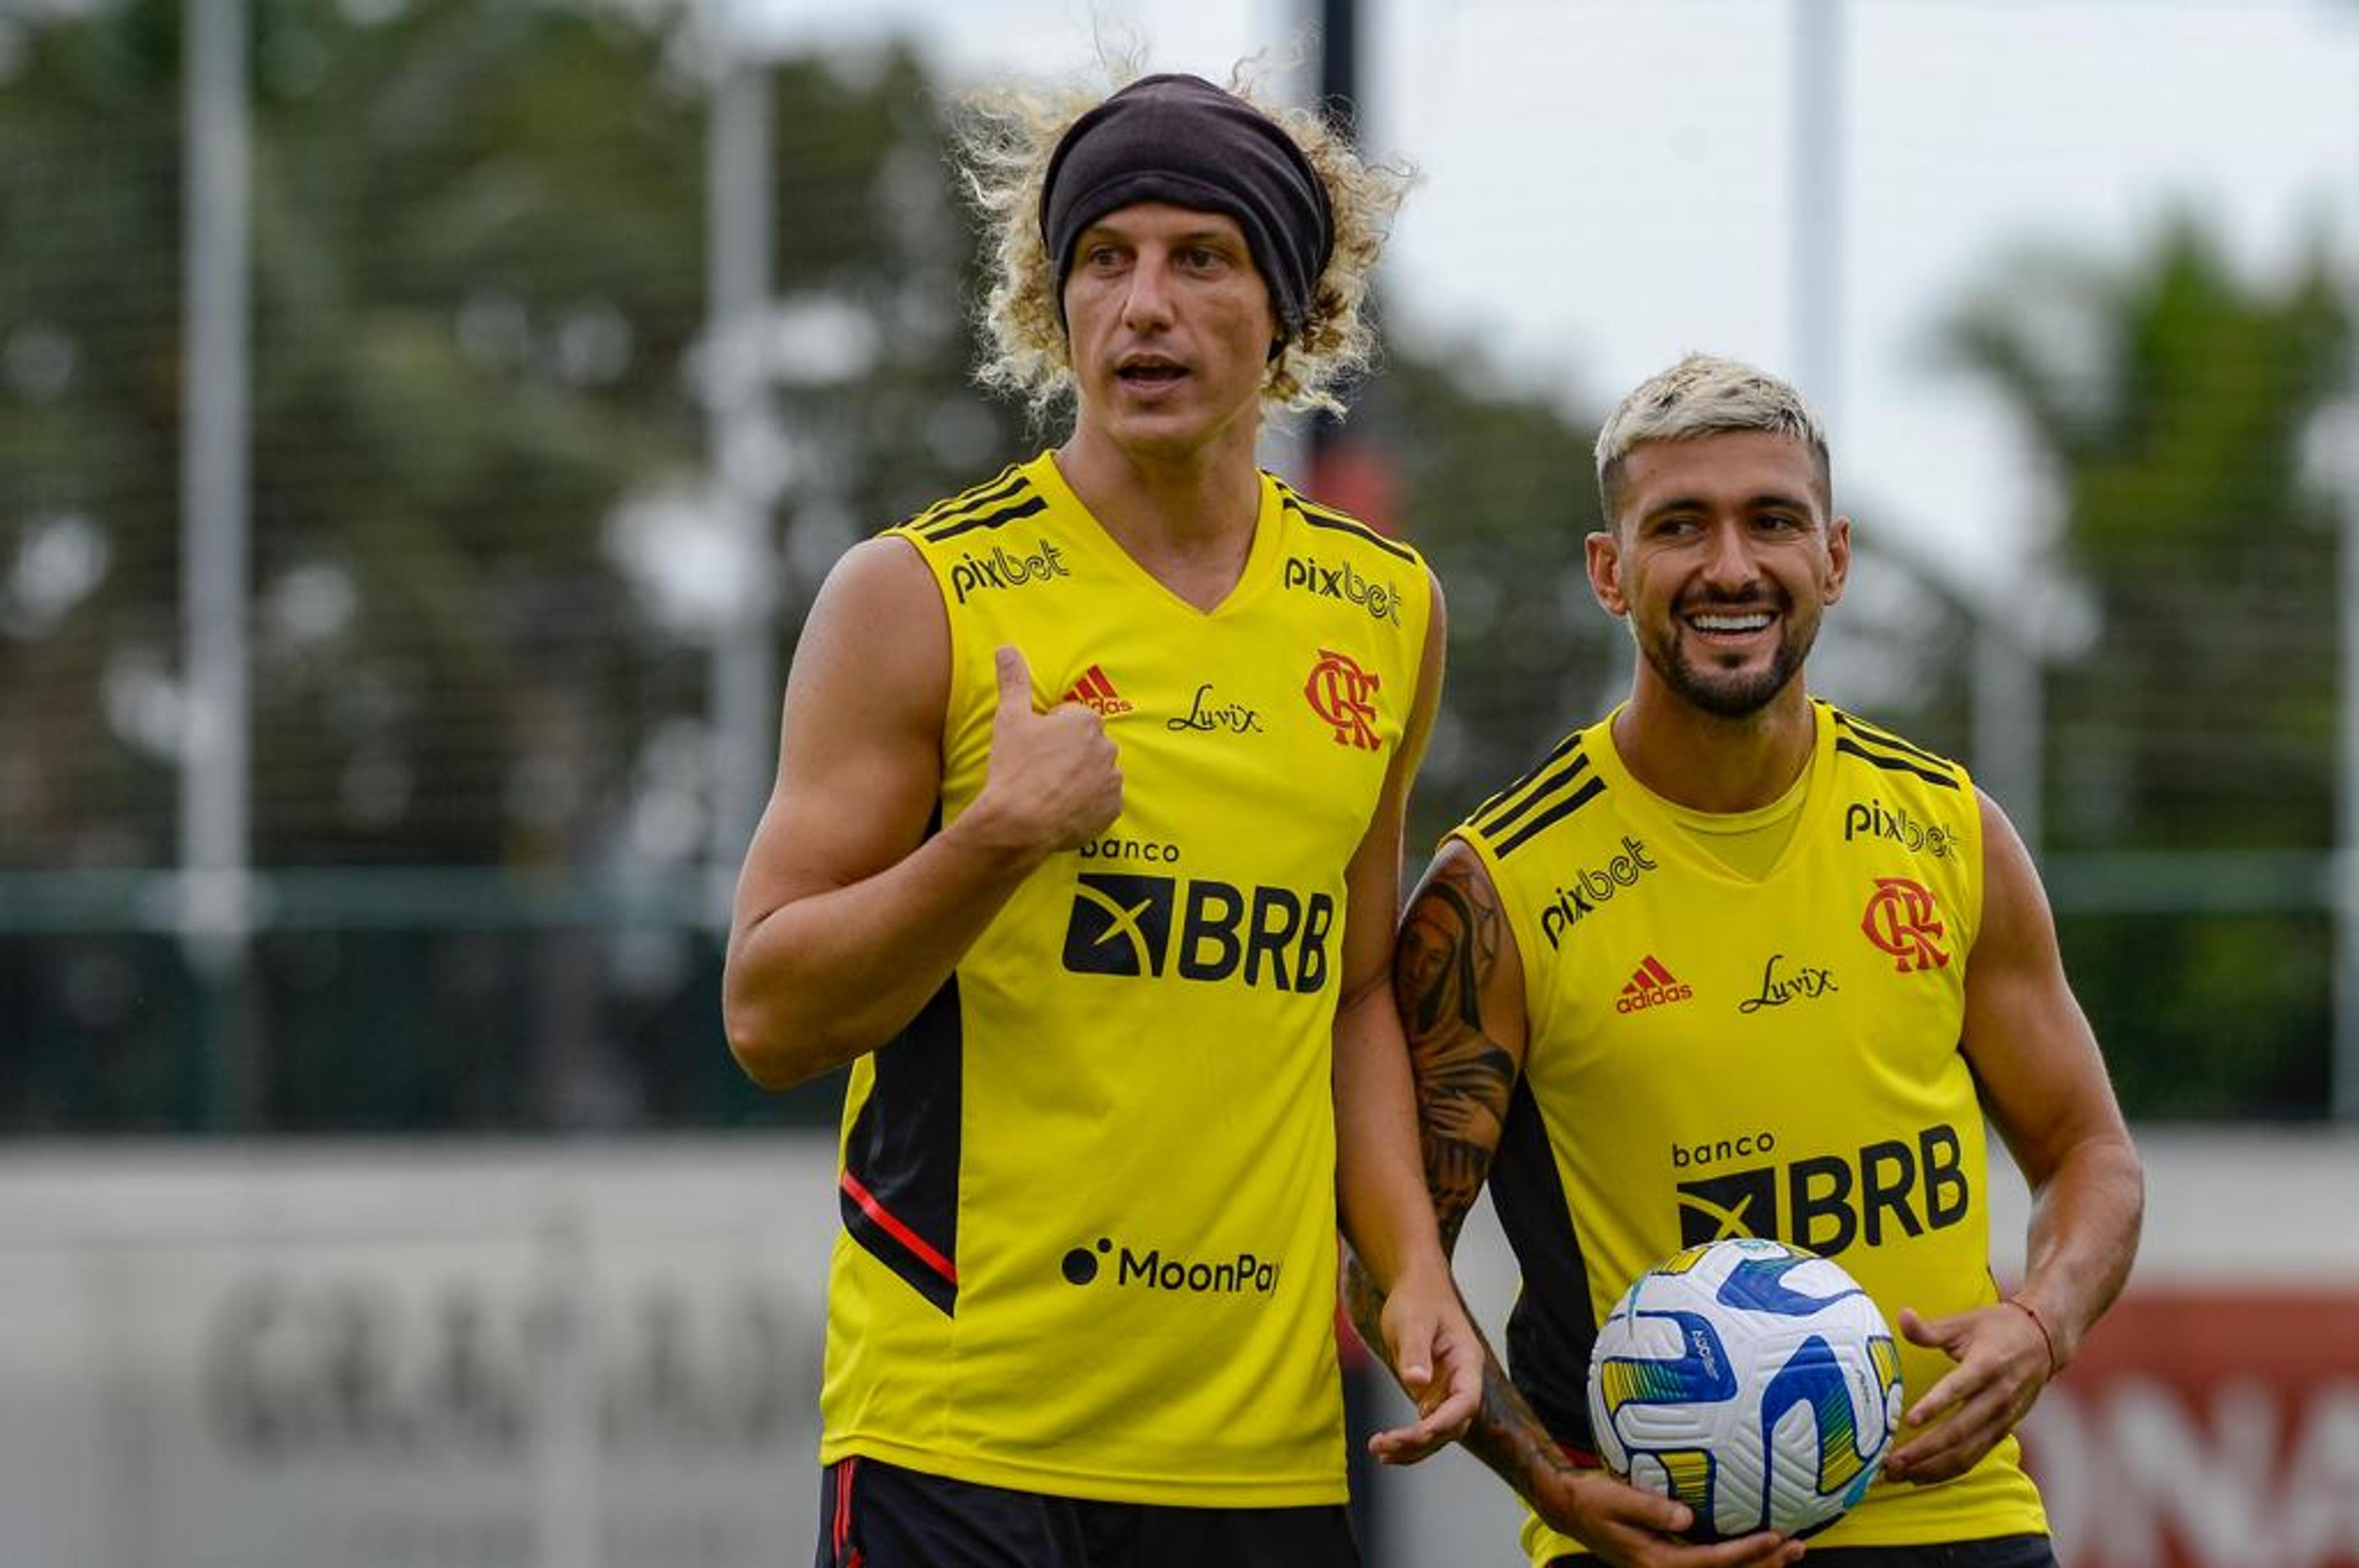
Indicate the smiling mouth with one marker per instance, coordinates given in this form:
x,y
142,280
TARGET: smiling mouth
x,y
1730,622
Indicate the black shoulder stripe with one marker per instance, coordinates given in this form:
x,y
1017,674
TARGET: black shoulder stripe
x,y
1005,515
1320,518
1557,813
1554,783
1009,482
1886,739
1360,531
1556,754
1846,744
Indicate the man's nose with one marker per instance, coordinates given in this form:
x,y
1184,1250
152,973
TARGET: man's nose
x,y
1729,563
1146,300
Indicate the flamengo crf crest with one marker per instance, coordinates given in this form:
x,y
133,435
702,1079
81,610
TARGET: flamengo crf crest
x,y
1902,921
1340,692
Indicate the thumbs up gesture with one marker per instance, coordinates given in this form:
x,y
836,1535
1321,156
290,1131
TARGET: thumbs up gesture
x,y
1056,780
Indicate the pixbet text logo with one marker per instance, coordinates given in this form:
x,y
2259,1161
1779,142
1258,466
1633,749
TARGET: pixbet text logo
x,y
1339,691
1346,583
1591,888
1005,568
1874,819
1902,921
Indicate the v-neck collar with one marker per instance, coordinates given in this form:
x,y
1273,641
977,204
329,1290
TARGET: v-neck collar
x,y
1665,818
1260,559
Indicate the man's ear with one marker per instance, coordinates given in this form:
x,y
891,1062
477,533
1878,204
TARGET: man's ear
x,y
1602,551
1838,557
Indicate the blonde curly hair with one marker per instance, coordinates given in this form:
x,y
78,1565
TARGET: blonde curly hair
x,y
1004,137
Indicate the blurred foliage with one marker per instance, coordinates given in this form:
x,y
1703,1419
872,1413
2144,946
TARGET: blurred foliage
x,y
483,395
2174,402
1496,490
490,552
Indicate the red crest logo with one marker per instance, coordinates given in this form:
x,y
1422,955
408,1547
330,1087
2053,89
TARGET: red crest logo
x,y
1339,691
1902,921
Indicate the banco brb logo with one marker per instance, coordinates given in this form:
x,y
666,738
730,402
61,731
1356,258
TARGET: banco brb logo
x,y
1125,924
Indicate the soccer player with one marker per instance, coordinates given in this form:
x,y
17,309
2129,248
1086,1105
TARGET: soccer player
x,y
1086,854
1732,961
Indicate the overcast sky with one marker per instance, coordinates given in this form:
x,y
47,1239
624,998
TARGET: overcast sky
x,y
1609,182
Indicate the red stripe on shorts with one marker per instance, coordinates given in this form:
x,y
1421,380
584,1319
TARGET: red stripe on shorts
x,y
841,1533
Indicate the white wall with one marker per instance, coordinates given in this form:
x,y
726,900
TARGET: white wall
x,y
407,1356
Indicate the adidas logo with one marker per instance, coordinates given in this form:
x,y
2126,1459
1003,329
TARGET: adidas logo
x,y
1652,986
1094,690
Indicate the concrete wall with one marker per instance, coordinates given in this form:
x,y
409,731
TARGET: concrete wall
x,y
405,1355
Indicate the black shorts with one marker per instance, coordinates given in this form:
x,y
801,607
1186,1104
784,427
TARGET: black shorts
x,y
1998,1551
875,1515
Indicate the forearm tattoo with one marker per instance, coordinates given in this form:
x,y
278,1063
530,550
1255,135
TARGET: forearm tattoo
x,y
1508,1435
1448,952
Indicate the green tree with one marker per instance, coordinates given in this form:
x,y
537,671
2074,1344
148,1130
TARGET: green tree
x,y
2171,398
478,466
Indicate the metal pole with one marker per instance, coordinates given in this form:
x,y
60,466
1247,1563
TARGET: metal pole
x,y
2010,720
744,664
216,915
1817,248
2344,1073
2343,1084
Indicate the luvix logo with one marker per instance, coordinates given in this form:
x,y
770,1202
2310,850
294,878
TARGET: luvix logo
x,y
1796,982
1592,887
1123,923
1902,921
1206,716
1339,691
1005,568
1151,1270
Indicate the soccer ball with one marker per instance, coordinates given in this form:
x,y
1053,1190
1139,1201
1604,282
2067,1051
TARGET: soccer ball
x,y
1754,1381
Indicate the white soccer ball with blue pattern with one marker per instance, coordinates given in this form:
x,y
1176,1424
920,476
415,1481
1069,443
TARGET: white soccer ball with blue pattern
x,y
1754,1381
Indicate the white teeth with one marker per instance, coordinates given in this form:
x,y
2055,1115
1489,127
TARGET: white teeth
x,y
1731,623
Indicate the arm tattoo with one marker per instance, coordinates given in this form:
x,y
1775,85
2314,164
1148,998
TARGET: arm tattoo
x,y
1508,1435
1449,950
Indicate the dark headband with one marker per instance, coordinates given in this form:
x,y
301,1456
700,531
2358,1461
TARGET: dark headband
x,y
1183,140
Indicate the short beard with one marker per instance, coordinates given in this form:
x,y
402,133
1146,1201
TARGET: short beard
x,y
1735,696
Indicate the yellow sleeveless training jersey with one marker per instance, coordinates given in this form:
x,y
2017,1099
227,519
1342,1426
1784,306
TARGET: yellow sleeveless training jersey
x,y
1714,1054
1089,1197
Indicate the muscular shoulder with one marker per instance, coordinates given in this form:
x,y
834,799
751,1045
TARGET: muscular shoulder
x,y
876,642
1546,799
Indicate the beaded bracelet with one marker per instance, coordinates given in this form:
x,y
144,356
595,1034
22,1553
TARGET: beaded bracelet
x,y
2039,1322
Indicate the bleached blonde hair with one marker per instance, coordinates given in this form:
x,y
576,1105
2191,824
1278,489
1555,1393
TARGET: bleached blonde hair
x,y
1004,137
1704,394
